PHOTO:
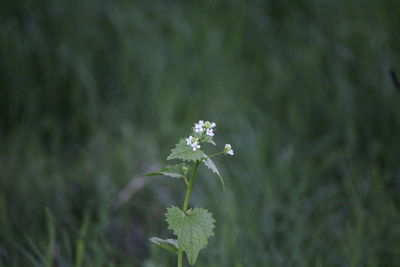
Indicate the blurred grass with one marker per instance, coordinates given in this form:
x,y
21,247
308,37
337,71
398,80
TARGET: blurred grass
x,y
94,93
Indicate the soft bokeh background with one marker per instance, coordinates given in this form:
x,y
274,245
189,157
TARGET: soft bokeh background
x,y
96,93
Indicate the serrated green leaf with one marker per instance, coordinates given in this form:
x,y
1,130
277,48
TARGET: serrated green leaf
x,y
177,171
210,164
192,229
167,244
185,152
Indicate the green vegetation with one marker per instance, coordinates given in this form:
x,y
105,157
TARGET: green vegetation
x,y
192,226
91,92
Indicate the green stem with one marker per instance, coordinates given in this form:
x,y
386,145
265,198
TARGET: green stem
x,y
216,154
189,187
180,257
186,203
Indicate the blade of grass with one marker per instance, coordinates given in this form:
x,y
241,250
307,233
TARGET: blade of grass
x,y
80,245
51,230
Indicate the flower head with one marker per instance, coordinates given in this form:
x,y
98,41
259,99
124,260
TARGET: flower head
x,y
189,140
193,142
202,131
228,149
198,127
210,125
210,128
210,132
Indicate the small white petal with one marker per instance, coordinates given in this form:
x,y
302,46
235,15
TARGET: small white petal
x,y
210,132
228,149
198,128
189,140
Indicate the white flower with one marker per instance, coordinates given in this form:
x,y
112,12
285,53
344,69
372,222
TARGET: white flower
x,y
209,128
228,149
198,127
210,125
210,132
189,140
193,142
195,146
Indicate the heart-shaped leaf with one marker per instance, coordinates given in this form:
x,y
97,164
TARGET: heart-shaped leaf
x,y
192,229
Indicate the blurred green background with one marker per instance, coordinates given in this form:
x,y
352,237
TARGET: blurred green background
x,y
96,93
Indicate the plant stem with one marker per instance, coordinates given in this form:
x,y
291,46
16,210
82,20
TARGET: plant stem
x,y
216,154
186,203
189,187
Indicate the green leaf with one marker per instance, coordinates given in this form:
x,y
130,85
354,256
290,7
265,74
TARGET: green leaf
x,y
210,164
192,229
177,171
185,152
167,244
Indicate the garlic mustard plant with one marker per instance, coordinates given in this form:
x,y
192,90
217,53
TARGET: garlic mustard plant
x,y
192,227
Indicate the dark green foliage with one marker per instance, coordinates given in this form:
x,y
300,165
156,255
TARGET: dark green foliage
x,y
91,92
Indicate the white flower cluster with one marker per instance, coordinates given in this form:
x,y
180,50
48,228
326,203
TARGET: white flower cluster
x,y
228,149
207,126
193,142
